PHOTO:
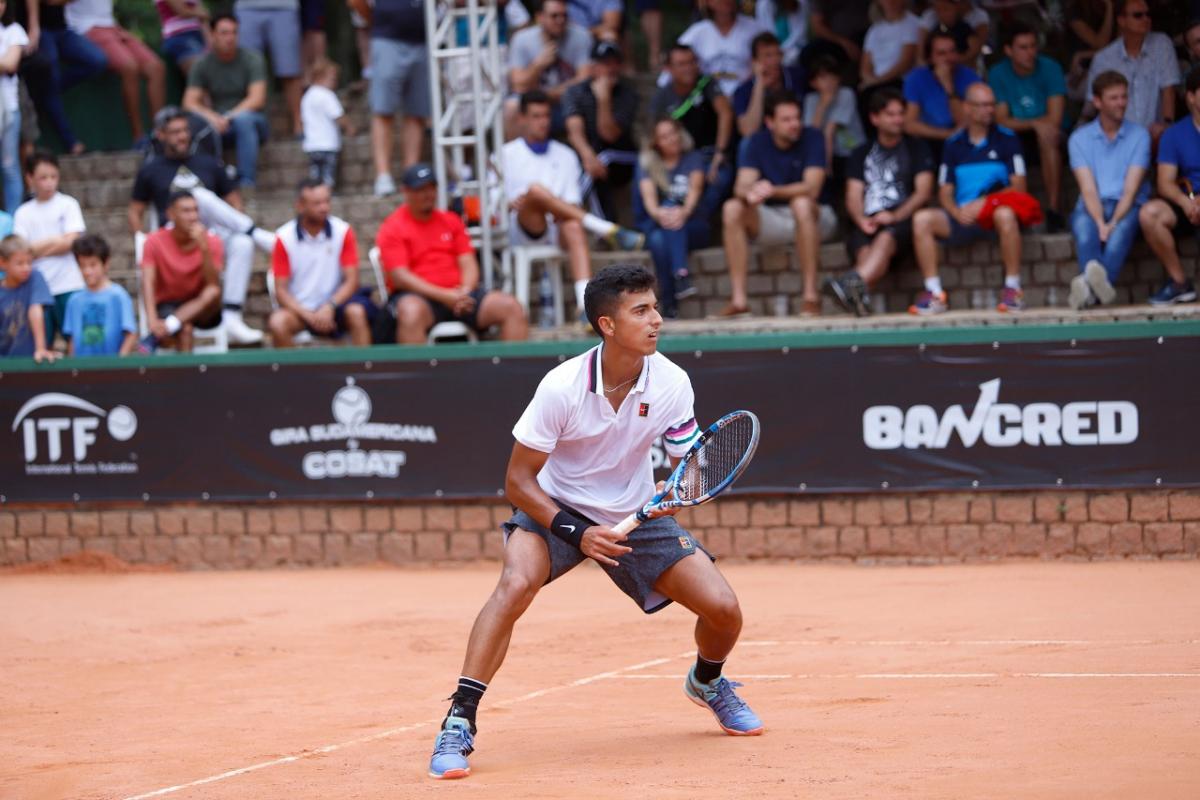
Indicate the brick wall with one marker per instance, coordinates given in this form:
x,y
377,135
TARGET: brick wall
x,y
914,528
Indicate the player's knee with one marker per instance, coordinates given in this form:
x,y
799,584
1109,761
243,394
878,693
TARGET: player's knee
x,y
725,613
515,591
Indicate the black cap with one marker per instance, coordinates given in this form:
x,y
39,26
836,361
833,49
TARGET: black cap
x,y
605,49
418,175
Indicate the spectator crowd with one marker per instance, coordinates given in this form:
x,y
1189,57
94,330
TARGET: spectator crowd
x,y
900,130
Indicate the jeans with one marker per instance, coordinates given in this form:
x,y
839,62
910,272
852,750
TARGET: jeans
x,y
247,131
47,80
10,161
670,249
1112,253
716,192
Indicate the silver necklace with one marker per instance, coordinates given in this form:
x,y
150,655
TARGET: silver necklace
x,y
619,385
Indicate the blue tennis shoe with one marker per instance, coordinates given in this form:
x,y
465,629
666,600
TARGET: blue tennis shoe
x,y
454,743
719,697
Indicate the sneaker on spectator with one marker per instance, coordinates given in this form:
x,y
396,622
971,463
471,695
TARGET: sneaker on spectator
x,y
147,344
1173,292
625,239
1097,280
384,185
929,303
1055,222
683,285
850,292
237,329
1080,296
1011,300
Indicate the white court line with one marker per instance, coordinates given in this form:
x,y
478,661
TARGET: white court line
x,y
332,748
959,642
909,676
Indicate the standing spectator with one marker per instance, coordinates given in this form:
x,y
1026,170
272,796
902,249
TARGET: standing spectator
x,y
890,49
1031,94
24,301
777,199
833,109
324,121
50,222
185,34
1175,213
313,44
273,27
1110,157
315,264
601,18
219,202
1147,60
887,181
669,183
788,19
977,160
56,59
964,22
1089,29
127,56
649,14
99,320
600,113
696,103
228,87
431,271
552,56
541,183
181,289
837,28
722,43
768,76
399,80
935,92
12,45
1191,44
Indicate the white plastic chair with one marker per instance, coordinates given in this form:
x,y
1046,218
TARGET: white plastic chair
x,y
553,259
205,341
442,331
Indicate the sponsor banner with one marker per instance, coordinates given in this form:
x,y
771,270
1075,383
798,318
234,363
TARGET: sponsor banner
x,y
1026,415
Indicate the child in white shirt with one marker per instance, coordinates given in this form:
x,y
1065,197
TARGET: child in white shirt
x,y
322,115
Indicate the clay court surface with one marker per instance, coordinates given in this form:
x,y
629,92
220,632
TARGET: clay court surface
x,y
1016,680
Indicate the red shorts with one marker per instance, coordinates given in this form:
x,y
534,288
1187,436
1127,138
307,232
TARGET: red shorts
x,y
124,50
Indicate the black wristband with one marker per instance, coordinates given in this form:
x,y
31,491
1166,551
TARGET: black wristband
x,y
568,527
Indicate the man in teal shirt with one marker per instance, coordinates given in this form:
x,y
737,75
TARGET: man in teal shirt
x,y
1030,95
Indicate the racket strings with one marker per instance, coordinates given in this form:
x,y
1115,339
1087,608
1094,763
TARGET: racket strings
x,y
717,458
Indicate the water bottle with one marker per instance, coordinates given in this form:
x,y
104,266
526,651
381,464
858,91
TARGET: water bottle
x,y
546,300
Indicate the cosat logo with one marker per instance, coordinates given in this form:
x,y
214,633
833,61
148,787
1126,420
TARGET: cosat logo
x,y
352,409
1088,422
58,445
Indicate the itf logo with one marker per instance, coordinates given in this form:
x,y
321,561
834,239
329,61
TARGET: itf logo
x,y
58,444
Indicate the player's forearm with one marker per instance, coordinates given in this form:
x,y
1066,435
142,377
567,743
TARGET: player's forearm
x,y
526,493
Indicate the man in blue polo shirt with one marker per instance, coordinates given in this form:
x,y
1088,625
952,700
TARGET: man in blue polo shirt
x,y
1176,211
980,159
770,75
934,93
779,197
1110,157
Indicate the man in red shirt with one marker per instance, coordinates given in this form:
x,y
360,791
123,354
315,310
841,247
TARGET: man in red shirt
x,y
181,287
431,272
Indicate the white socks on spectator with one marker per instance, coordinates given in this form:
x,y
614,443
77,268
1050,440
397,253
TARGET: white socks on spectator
x,y
600,227
579,287
933,285
173,325
1012,282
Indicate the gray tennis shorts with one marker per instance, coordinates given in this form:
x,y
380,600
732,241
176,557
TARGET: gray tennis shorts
x,y
657,545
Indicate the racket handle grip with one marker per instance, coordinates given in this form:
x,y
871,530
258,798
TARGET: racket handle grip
x,y
628,524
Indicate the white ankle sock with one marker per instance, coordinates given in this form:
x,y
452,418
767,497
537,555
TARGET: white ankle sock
x,y
173,325
1012,282
579,287
600,227
933,285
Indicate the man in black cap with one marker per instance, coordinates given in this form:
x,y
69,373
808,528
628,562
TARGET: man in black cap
x,y
430,269
600,113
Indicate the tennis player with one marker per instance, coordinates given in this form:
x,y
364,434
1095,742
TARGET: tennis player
x,y
580,464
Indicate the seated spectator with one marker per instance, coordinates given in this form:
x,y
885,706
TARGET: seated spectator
x,y
1175,213
541,183
887,181
1031,94
324,122
778,199
979,159
837,28
228,87
24,299
960,19
1147,60
935,92
788,19
272,27
127,56
833,109
696,103
669,183
315,264
600,112
768,76
722,43
399,82
12,47
56,59
50,221
552,56
890,49
1110,157
99,320
185,35
1191,46
601,18
431,271
219,202
181,288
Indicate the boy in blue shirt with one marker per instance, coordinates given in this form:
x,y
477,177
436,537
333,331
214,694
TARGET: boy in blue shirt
x,y
99,320
24,295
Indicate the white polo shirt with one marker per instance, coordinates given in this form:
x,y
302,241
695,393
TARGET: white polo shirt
x,y
314,265
600,458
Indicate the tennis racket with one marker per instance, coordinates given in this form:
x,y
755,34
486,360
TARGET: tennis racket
x,y
716,460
